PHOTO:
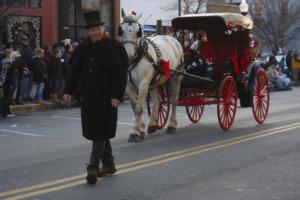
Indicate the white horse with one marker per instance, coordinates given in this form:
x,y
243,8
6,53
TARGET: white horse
x,y
144,69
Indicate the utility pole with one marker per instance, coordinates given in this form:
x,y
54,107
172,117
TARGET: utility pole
x,y
76,19
159,28
179,7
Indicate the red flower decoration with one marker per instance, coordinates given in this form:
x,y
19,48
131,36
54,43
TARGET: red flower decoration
x,y
229,27
133,13
239,27
166,67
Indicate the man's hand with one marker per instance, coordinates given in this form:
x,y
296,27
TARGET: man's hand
x,y
115,102
67,98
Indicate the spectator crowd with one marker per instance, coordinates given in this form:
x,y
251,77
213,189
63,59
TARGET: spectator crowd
x,y
33,75
283,70
39,75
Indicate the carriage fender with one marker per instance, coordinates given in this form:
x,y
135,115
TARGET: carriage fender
x,y
252,74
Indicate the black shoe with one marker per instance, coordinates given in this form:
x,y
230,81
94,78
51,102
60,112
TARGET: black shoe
x,y
107,170
19,103
92,172
9,115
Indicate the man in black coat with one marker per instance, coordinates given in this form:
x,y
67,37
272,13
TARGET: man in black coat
x,y
101,65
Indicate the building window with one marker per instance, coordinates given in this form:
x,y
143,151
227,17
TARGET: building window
x,y
233,1
29,3
90,5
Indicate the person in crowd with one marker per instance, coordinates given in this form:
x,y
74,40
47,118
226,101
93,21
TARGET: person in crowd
x,y
279,80
66,58
272,61
21,70
288,63
27,53
40,74
296,66
6,71
57,75
282,66
101,64
46,58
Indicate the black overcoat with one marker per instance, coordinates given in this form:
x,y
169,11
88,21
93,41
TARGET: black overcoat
x,y
101,68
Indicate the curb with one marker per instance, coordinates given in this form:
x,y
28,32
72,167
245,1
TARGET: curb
x,y
33,107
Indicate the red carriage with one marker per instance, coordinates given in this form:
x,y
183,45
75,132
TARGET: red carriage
x,y
226,72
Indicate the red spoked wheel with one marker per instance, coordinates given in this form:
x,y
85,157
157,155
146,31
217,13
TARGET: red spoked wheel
x,y
194,111
227,103
261,96
164,106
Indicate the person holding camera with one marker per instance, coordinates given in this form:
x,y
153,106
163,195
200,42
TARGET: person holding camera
x,y
6,82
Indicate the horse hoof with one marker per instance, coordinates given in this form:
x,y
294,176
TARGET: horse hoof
x,y
142,135
152,129
134,138
171,129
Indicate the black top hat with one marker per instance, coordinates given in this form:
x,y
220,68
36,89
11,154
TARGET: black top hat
x,y
92,19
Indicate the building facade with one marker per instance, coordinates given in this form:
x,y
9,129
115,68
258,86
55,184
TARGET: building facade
x,y
71,24
38,19
223,6
51,21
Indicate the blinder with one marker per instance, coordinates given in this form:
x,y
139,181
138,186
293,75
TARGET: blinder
x,y
139,33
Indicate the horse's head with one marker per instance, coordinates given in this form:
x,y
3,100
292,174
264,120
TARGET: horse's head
x,y
130,31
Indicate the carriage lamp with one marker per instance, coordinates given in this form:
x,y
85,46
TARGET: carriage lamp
x,y
244,7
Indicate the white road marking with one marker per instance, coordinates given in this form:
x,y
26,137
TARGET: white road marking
x,y
21,133
126,123
65,117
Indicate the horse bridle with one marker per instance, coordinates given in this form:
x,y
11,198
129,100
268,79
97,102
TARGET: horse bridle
x,y
136,43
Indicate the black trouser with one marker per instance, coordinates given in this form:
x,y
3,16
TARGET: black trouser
x,y
101,151
7,99
19,93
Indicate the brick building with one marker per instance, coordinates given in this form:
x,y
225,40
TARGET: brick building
x,y
35,18
49,21
71,24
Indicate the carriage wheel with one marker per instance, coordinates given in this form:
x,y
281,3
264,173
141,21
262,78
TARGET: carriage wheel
x,y
261,96
194,112
164,106
227,103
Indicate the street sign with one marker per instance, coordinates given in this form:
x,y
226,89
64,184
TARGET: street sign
x,y
90,4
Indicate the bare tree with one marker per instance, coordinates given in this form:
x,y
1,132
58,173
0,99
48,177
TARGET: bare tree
x,y
277,22
188,6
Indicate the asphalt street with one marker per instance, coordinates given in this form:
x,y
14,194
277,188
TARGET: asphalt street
x,y
43,156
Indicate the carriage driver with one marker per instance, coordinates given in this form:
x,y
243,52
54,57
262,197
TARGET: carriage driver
x,y
101,65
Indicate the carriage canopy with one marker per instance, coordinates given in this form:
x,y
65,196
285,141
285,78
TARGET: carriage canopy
x,y
227,35
212,21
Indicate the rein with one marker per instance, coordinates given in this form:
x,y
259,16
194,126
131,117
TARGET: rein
x,y
144,52
141,47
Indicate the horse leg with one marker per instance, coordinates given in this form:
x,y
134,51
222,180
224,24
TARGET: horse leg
x,y
152,126
175,85
138,111
139,131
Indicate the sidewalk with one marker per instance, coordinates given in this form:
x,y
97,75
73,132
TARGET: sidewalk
x,y
33,107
